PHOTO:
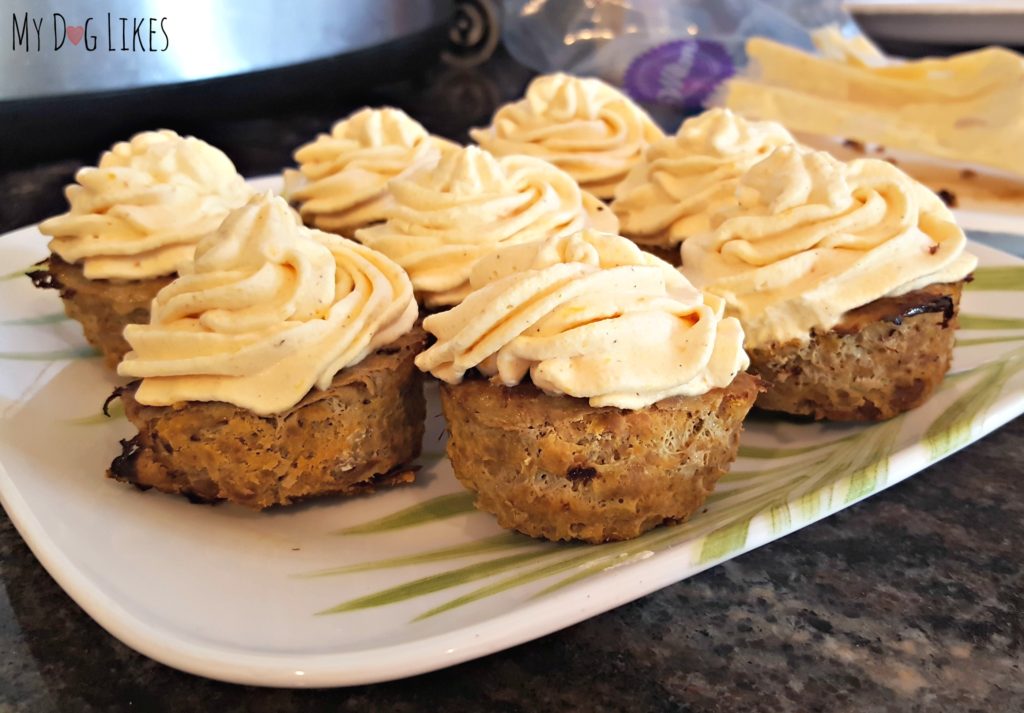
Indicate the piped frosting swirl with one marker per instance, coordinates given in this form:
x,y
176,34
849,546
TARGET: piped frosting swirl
x,y
268,310
586,127
341,182
589,316
687,177
813,238
445,218
141,211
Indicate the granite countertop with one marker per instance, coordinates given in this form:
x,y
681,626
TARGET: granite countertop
x,y
910,601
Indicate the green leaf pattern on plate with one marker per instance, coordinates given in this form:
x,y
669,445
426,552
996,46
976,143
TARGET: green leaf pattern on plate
x,y
115,410
504,541
51,318
971,321
953,428
1002,277
434,583
17,273
83,352
436,509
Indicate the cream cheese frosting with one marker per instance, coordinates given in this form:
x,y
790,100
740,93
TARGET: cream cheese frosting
x,y
687,177
268,310
443,219
586,127
589,316
813,238
141,211
967,108
341,182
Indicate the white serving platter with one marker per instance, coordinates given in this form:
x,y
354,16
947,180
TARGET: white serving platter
x,y
341,592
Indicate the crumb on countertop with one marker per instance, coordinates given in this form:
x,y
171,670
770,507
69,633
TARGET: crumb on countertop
x,y
854,145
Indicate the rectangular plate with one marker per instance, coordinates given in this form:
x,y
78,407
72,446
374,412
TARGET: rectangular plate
x,y
341,592
941,22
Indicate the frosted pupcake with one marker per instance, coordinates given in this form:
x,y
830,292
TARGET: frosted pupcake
x,y
586,127
341,182
683,179
132,220
590,391
279,366
847,279
444,218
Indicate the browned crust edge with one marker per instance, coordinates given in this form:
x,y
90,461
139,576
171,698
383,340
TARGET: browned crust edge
x,y
360,434
882,360
103,307
553,467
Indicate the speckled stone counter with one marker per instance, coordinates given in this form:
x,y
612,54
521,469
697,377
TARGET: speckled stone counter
x,y
910,601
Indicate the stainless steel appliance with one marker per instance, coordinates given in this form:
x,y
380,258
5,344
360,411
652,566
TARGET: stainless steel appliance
x,y
73,68
59,47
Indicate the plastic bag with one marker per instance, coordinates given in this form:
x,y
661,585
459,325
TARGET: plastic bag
x,y
667,54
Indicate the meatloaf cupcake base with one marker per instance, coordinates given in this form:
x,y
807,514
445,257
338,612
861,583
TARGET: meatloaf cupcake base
x,y
879,361
359,434
103,307
589,474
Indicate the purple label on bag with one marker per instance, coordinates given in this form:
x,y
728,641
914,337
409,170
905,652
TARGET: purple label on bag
x,y
681,73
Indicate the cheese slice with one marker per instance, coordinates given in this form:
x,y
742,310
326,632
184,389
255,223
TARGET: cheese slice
x,y
967,108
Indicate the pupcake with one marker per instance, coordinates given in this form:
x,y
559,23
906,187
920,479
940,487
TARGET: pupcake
x,y
132,220
341,182
685,178
278,366
586,127
591,392
847,279
443,218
